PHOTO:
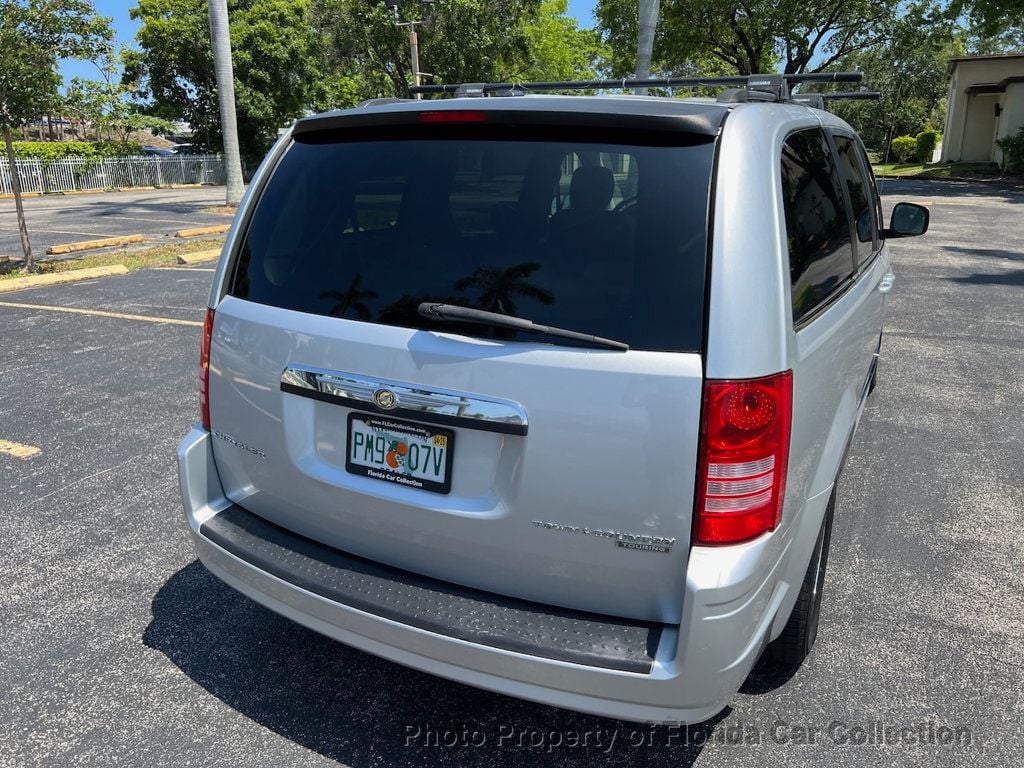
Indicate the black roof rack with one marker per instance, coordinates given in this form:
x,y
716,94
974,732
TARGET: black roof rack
x,y
770,87
817,100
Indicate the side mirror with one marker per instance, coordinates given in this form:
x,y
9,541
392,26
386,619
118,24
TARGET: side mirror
x,y
908,220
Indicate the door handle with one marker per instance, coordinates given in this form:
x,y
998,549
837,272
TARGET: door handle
x,y
886,283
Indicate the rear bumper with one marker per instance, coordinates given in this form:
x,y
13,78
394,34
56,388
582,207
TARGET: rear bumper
x,y
685,674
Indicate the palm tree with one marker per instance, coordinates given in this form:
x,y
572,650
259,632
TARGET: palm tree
x,y
351,298
221,42
498,287
648,25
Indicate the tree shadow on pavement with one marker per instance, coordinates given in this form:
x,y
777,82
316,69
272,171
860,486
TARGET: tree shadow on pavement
x,y
355,708
1007,190
992,253
1015,278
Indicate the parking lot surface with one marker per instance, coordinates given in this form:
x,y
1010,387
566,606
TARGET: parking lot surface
x,y
153,213
118,647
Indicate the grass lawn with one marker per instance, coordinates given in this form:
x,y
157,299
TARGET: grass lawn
x,y
962,171
159,256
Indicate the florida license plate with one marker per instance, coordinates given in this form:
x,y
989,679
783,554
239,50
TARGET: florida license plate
x,y
400,452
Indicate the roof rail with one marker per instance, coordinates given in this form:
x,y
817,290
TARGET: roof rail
x,y
776,87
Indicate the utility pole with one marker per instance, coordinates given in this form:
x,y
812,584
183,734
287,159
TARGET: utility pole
x,y
648,23
427,15
221,40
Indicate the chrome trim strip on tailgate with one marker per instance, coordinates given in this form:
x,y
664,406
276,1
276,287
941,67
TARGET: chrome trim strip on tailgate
x,y
431,405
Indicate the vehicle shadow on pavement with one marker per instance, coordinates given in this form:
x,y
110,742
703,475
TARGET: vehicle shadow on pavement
x,y
355,708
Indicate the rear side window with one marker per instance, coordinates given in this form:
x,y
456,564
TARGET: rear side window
x,y
596,236
859,189
818,231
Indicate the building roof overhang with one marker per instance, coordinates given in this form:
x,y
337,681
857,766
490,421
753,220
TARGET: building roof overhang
x,y
999,87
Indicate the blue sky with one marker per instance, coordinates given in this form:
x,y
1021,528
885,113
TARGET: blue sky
x,y
125,29
583,10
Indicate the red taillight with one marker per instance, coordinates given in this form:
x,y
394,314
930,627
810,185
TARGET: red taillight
x,y
204,370
744,458
454,116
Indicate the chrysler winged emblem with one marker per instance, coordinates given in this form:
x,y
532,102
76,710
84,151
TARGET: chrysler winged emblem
x,y
385,398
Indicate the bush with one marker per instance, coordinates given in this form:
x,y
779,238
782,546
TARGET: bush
x,y
1013,152
927,141
903,147
55,150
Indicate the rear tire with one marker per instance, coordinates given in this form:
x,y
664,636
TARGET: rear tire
x,y
797,639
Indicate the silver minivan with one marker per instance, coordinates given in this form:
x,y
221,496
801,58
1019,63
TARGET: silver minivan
x,y
545,394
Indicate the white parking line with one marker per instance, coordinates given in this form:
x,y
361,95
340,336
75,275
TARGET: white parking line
x,y
151,221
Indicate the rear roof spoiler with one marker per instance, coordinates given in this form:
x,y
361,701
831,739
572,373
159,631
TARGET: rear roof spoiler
x,y
698,120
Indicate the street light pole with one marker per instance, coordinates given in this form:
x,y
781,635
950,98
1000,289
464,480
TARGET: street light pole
x,y
414,55
414,41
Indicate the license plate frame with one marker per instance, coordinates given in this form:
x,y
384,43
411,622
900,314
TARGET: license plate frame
x,y
393,430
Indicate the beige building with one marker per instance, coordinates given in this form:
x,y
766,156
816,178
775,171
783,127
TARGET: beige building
x,y
986,103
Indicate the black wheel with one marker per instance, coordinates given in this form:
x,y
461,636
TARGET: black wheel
x,y
792,646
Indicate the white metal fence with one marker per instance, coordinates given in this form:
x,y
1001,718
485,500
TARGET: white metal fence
x,y
74,173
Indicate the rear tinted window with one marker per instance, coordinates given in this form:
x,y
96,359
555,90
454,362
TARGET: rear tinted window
x,y
817,228
860,193
603,238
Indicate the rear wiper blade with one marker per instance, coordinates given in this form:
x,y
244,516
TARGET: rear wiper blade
x,y
458,314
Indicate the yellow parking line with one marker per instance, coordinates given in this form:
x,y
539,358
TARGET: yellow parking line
x,y
89,245
18,450
101,313
216,229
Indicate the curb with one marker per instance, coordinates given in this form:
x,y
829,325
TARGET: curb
x,y
216,229
72,275
88,245
199,257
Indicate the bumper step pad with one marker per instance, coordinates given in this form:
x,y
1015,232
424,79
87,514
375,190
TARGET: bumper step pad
x,y
436,606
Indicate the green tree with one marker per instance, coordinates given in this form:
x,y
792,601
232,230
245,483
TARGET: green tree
x,y
34,36
558,49
991,17
981,41
108,103
748,36
277,64
467,41
909,69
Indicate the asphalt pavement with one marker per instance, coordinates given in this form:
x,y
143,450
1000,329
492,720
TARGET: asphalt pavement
x,y
153,213
118,647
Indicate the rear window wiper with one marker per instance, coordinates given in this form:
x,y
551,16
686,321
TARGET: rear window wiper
x,y
455,313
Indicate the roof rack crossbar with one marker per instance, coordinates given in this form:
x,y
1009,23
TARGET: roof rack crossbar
x,y
659,82
851,95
